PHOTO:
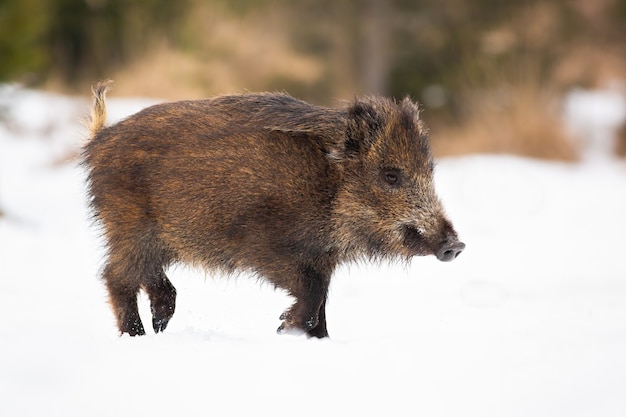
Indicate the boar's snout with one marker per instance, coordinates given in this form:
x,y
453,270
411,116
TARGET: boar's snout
x,y
449,249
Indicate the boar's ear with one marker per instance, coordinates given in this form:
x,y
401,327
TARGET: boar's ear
x,y
364,121
411,115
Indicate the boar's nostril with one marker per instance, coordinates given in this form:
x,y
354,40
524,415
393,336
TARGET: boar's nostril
x,y
450,250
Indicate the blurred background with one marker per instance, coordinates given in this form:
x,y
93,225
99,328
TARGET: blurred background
x,y
492,75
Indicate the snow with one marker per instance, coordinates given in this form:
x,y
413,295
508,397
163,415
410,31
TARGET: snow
x,y
529,321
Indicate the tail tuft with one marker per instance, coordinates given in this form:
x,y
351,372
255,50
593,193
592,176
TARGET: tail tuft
x,y
99,112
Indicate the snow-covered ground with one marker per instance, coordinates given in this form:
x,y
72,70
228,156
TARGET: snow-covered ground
x,y
529,321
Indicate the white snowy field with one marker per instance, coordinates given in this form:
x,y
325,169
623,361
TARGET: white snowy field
x,y
529,321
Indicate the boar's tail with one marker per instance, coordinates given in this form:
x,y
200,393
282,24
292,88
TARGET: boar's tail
x,y
99,111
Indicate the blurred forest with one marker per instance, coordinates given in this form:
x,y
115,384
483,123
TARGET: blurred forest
x,y
489,73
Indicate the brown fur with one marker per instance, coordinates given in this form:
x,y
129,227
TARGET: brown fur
x,y
262,183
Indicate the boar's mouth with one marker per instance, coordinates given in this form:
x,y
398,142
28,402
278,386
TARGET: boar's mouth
x,y
415,242
417,245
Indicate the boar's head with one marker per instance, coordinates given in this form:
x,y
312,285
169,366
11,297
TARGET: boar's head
x,y
386,205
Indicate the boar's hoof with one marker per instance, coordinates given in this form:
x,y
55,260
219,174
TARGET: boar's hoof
x,y
159,325
290,330
133,326
318,331
449,250
295,327
161,315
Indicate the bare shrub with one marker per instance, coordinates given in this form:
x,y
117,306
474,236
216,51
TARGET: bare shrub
x,y
507,109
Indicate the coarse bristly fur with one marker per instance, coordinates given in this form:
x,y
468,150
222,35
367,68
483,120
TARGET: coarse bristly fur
x,y
263,183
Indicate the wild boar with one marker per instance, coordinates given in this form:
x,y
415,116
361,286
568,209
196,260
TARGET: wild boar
x,y
260,183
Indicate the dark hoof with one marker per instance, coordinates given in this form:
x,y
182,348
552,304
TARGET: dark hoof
x,y
159,325
310,326
289,330
318,332
162,312
133,327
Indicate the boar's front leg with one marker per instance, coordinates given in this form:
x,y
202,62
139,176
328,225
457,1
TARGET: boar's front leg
x,y
320,330
309,287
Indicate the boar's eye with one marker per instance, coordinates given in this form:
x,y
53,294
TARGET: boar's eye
x,y
392,177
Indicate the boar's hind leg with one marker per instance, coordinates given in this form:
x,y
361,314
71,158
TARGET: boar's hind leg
x,y
130,268
308,313
123,299
162,299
